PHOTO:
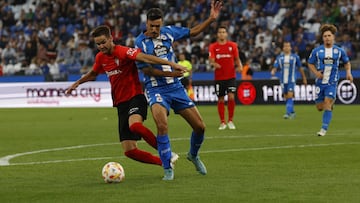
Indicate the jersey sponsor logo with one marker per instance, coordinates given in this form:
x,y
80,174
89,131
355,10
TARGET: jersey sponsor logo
x,y
347,92
328,61
220,56
113,72
161,50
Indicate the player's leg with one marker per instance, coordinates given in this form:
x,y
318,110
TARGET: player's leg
x,y
290,104
160,108
290,100
319,98
131,151
137,114
128,139
287,94
193,117
231,89
220,92
187,109
330,95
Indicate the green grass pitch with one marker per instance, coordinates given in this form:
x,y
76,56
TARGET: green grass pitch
x,y
56,155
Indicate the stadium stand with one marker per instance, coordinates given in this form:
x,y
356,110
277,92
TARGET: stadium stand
x,y
33,33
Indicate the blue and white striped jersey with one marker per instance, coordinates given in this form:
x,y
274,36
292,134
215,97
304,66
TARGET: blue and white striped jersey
x,y
161,47
327,61
287,65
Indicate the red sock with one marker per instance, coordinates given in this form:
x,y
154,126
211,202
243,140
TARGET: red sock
x,y
143,156
221,111
231,109
145,133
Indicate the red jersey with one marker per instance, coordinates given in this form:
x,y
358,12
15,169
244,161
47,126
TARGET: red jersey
x,y
224,54
122,72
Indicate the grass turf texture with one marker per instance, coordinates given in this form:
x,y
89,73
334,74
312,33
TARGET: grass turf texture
x,y
266,159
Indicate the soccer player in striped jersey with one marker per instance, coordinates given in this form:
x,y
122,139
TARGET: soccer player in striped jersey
x,y
288,62
118,62
167,92
224,57
324,62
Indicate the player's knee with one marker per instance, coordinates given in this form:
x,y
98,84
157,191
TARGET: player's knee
x,y
135,126
320,106
328,108
162,128
200,128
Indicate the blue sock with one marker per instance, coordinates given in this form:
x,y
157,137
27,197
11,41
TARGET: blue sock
x,y
327,115
164,150
195,143
289,106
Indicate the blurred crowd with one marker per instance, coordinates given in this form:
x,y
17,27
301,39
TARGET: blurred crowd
x,y
51,37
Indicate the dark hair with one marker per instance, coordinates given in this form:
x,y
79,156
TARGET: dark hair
x,y
328,27
285,42
154,14
101,30
221,27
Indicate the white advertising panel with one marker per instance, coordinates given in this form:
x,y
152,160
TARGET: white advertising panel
x,y
52,94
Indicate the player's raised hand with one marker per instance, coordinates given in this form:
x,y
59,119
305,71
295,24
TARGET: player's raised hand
x,y
216,6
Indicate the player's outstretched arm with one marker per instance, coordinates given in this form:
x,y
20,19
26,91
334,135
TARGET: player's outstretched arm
x,y
90,76
156,60
150,71
214,13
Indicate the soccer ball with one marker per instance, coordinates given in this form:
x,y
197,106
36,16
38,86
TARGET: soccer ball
x,y
113,172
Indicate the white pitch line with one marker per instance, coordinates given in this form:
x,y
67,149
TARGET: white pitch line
x,y
4,161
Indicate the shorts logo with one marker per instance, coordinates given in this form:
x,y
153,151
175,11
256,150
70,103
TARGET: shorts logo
x,y
133,110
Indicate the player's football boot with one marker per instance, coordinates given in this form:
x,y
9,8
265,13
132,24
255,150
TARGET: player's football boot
x,y
292,115
168,174
231,125
289,116
322,132
222,126
199,165
174,158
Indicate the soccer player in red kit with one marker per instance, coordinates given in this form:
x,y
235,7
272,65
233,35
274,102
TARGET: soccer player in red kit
x,y
118,62
224,57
